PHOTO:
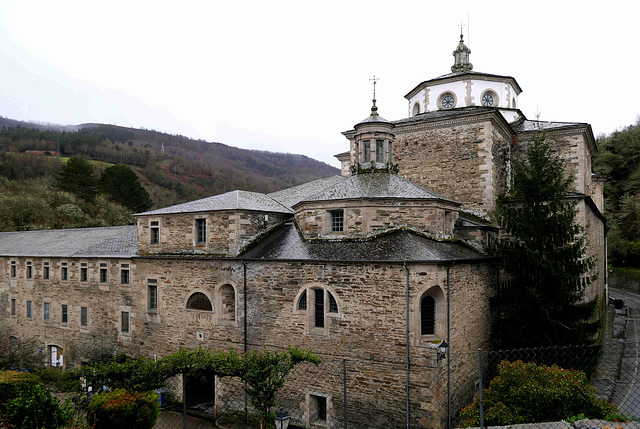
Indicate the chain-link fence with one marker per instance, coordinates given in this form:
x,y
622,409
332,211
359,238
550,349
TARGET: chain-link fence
x,y
427,392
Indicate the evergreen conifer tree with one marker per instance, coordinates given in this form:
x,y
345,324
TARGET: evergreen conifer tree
x,y
542,302
77,176
120,183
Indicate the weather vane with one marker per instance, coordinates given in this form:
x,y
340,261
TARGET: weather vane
x,y
375,80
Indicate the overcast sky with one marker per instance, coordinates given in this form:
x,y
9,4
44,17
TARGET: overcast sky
x,y
290,76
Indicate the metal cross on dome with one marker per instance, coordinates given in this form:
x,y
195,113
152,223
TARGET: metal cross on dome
x,y
375,80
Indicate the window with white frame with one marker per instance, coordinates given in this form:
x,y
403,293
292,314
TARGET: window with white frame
x,y
84,272
152,295
337,220
64,314
84,316
104,272
155,232
124,322
201,231
14,269
46,273
29,270
124,274
64,271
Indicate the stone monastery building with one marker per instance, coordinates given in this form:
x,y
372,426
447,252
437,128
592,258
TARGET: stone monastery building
x,y
383,262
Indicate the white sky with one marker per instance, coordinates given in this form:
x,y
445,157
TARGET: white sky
x,y
290,76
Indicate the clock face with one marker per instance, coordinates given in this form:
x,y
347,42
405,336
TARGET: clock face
x,y
487,100
447,102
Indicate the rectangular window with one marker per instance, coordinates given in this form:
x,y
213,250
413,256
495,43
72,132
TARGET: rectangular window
x,y
319,408
45,270
337,221
13,306
64,271
46,308
84,272
29,272
84,316
29,310
152,291
390,155
14,269
124,322
318,308
201,230
64,315
366,151
155,232
124,274
104,277
379,150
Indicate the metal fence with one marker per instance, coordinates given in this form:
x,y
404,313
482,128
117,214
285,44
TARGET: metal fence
x,y
427,392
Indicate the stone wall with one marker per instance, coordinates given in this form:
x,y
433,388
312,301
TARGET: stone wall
x,y
464,160
366,218
228,231
103,301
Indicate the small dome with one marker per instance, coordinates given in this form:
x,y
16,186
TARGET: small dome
x,y
374,117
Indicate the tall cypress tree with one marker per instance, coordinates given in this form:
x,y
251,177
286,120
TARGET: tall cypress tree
x,y
542,302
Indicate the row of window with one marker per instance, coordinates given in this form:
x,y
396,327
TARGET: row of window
x,y
46,312
200,231
103,272
380,153
316,302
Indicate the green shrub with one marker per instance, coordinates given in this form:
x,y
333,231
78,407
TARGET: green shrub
x,y
123,409
531,393
26,403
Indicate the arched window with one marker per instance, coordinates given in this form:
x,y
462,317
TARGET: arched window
x,y
302,301
416,109
319,305
427,315
199,301
227,303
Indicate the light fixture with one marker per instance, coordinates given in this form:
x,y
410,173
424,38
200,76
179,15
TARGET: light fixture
x,y
282,419
442,354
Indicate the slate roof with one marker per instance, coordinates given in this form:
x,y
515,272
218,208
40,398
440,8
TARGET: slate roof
x,y
375,184
526,126
445,114
399,245
110,242
291,196
234,200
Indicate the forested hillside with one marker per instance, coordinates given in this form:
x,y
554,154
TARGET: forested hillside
x,y
172,169
618,160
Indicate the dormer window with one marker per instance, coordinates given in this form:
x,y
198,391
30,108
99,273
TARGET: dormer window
x,y
337,221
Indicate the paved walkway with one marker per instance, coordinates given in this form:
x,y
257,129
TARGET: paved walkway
x,y
173,420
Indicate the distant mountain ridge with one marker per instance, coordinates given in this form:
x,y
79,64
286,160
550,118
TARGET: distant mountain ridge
x,y
173,168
